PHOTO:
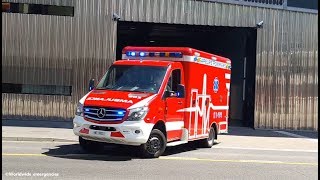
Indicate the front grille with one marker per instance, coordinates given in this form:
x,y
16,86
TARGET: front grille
x,y
104,113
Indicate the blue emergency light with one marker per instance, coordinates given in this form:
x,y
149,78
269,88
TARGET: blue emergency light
x,y
131,54
120,112
142,54
154,54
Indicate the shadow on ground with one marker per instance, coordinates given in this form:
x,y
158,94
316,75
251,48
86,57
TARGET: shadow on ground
x,y
112,152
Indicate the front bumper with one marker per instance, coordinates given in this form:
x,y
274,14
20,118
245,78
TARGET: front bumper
x,y
124,133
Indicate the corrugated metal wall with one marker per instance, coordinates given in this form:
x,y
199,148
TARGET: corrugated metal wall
x,y
55,50
287,71
83,46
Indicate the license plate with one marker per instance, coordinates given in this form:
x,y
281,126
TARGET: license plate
x,y
101,133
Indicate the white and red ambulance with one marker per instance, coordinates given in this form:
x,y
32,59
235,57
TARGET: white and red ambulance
x,y
156,97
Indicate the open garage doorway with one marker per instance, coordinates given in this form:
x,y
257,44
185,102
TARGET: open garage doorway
x,y
235,43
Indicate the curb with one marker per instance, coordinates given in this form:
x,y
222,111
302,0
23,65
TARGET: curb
x,y
36,139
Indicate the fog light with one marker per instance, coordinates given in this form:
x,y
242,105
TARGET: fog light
x,y
137,131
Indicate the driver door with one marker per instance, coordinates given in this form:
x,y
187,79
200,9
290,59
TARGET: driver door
x,y
173,102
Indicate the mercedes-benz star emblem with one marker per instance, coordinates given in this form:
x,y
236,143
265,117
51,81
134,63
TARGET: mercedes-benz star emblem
x,y
101,113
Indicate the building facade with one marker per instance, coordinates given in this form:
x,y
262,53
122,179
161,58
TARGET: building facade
x,y
49,55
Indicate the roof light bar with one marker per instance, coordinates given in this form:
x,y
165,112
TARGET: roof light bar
x,y
154,54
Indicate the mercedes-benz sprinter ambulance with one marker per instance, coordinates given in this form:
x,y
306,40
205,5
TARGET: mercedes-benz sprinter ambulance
x,y
156,97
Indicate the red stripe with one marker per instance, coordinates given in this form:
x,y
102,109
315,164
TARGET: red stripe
x,y
116,134
223,126
84,131
174,135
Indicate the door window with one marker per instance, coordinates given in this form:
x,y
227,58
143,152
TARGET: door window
x,y
174,80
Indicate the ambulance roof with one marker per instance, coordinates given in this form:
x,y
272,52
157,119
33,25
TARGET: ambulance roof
x,y
143,63
185,51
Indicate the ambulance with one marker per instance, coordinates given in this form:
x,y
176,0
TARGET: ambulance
x,y
156,97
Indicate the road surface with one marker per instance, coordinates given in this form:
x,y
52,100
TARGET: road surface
x,y
65,160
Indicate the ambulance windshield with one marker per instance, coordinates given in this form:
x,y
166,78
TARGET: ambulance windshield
x,y
133,78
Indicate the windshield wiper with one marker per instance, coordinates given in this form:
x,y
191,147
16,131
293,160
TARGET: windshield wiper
x,y
139,91
116,89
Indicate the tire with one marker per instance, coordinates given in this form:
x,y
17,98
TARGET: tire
x,y
155,146
208,142
90,146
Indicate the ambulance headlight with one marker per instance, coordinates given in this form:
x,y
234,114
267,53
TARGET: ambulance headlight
x,y
79,111
137,114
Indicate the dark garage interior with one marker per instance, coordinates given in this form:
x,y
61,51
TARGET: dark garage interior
x,y
235,43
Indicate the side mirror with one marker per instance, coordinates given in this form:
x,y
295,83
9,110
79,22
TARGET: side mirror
x,y
91,84
180,93
181,90
171,94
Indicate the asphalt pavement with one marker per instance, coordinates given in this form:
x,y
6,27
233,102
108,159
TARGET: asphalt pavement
x,y
65,160
51,151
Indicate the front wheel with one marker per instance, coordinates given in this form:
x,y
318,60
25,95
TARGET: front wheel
x,y
155,146
208,142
